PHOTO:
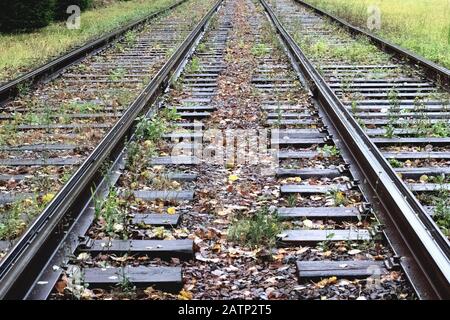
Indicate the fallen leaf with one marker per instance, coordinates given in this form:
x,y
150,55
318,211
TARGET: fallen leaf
x,y
308,223
171,210
327,254
61,285
326,282
118,227
217,248
119,259
185,295
83,256
48,197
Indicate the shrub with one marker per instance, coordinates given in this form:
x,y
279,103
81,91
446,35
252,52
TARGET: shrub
x,y
62,5
25,14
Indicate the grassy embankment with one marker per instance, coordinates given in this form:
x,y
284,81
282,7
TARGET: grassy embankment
x,y
420,26
21,52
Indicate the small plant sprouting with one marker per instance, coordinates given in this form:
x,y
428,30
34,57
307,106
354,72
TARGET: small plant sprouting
x,y
279,120
329,151
130,37
291,200
394,109
395,163
339,198
150,129
117,74
259,230
193,66
325,245
201,48
390,131
361,122
442,211
125,285
440,129
15,217
109,214
170,114
260,50
23,88
354,107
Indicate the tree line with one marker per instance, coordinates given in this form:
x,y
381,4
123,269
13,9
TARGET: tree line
x,y
26,15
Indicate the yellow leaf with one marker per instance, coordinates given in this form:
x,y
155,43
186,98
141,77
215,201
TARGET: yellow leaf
x,y
326,282
185,295
233,177
217,248
145,174
148,144
134,185
171,210
159,232
28,202
48,197
340,197
175,184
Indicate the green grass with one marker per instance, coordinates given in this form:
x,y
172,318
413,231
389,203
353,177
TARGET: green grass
x,y
259,230
420,26
260,49
110,214
330,151
21,52
442,211
15,217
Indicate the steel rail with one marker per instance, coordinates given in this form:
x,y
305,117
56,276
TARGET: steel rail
x,y
54,67
22,266
432,70
413,234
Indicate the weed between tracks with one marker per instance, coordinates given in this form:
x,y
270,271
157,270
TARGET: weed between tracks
x,y
15,217
193,66
260,49
421,26
328,151
442,211
360,51
148,134
229,219
439,201
259,230
111,215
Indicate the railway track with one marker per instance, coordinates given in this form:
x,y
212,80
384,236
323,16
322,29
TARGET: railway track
x,y
399,99
48,131
154,211
402,107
